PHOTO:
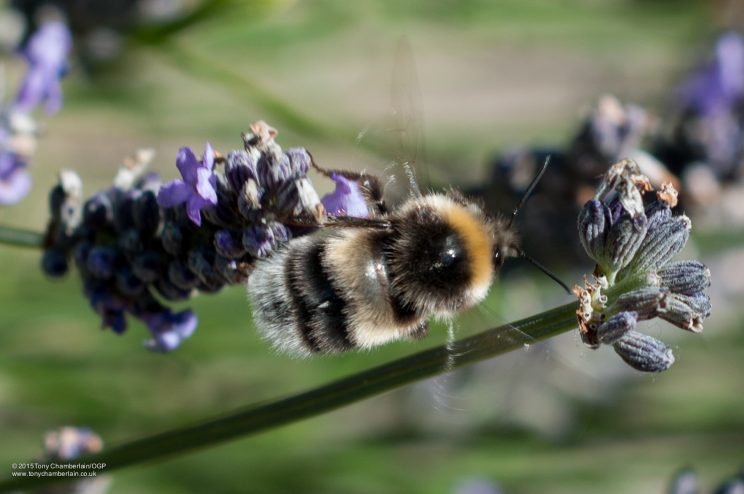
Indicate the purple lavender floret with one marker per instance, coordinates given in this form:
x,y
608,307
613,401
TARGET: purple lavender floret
x,y
169,329
46,53
138,248
346,200
197,189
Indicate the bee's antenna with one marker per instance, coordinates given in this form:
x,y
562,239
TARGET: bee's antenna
x,y
529,190
544,270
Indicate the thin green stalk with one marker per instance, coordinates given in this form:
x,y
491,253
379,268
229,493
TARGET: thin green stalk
x,y
20,238
283,115
386,377
203,67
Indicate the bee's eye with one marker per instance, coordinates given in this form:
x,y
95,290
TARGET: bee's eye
x,y
498,258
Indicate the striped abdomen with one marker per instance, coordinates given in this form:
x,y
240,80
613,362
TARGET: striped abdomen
x,y
329,293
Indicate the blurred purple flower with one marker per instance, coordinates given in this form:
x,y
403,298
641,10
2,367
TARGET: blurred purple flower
x,y
718,85
169,329
15,181
346,200
46,53
198,187
68,443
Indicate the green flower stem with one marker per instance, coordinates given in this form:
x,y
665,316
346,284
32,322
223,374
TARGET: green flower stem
x,y
188,60
20,238
329,397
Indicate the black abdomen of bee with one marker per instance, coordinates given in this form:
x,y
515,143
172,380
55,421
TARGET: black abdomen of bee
x,y
330,292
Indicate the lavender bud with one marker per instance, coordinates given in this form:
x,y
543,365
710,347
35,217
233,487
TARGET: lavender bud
x,y
699,302
200,262
127,283
732,486
258,240
593,225
249,199
685,277
130,241
230,270
98,211
679,313
624,239
308,203
644,353
80,256
228,244
645,302
114,319
684,482
123,213
57,197
299,161
172,238
100,262
54,263
280,233
616,327
65,201
170,291
239,168
273,170
148,266
657,213
181,276
146,214
661,244
287,199
149,182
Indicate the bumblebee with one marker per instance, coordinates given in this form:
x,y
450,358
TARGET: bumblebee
x,y
361,282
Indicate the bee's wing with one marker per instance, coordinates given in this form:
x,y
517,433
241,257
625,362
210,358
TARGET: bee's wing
x,y
406,120
397,135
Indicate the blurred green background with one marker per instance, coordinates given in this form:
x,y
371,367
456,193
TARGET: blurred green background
x,y
553,418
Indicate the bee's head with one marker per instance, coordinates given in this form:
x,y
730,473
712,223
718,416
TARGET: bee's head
x,y
505,241
442,254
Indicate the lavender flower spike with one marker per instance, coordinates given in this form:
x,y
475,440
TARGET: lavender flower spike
x,y
633,242
198,187
46,53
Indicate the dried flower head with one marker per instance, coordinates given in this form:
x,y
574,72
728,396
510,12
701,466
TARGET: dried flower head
x,y
634,279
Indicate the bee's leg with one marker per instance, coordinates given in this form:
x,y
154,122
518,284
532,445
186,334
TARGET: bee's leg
x,y
420,331
355,222
370,185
